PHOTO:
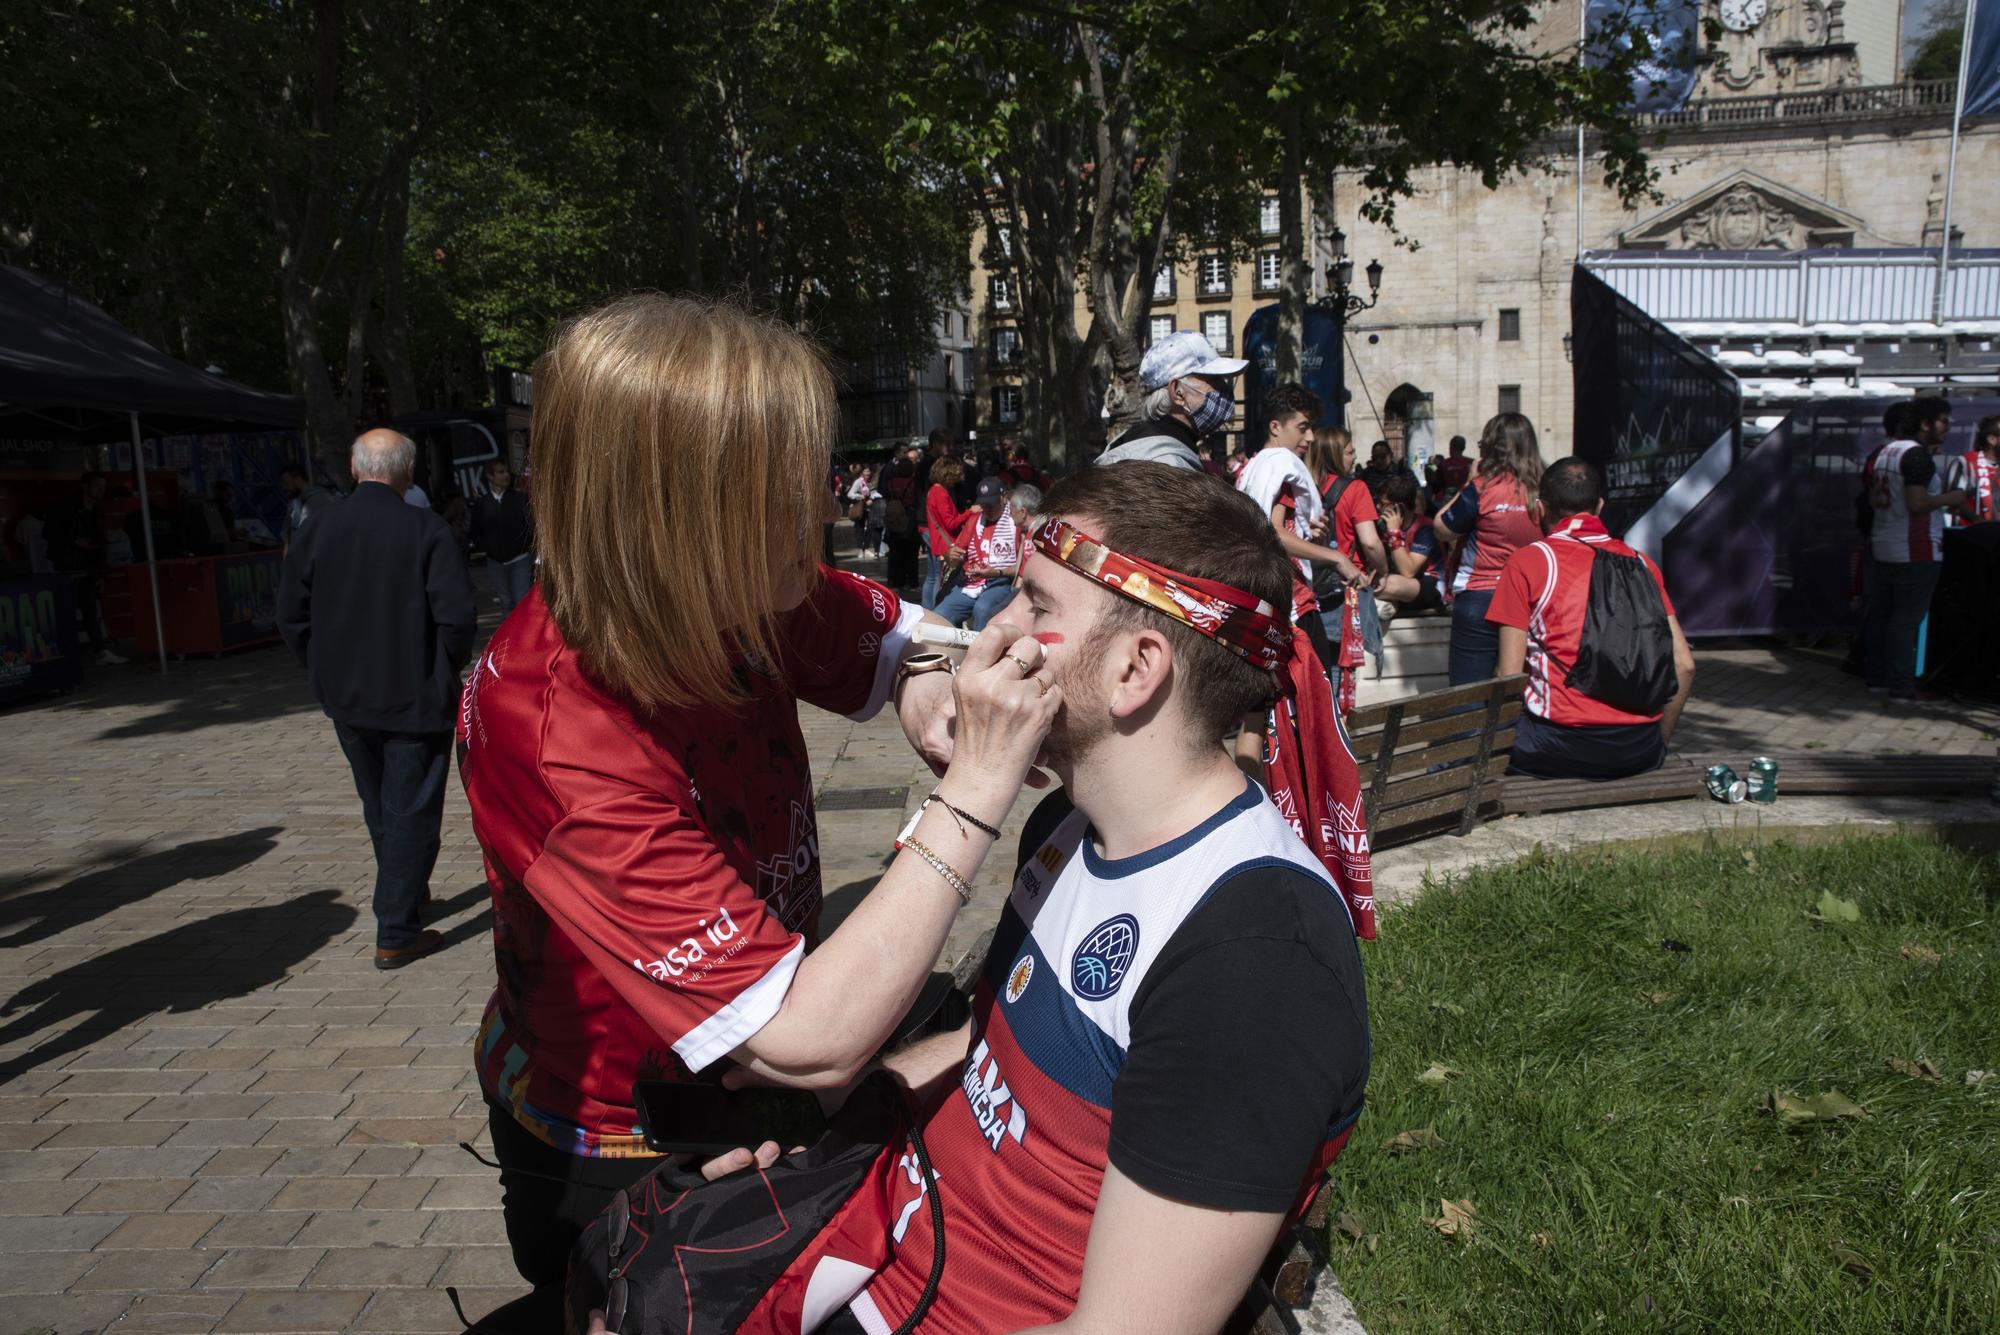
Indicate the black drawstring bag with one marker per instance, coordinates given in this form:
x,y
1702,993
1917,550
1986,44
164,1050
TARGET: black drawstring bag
x,y
1626,659
674,1252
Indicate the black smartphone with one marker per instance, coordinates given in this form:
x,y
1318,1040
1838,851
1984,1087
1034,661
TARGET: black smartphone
x,y
711,1120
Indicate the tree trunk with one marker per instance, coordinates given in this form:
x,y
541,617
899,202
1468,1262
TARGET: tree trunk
x,y
1292,249
329,430
392,342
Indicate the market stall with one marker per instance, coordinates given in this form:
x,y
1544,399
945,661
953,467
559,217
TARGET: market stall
x,y
72,378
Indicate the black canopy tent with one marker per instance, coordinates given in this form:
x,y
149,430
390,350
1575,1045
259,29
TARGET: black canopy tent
x,y
70,372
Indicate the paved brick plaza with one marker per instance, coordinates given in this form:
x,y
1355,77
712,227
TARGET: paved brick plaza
x,y
215,1114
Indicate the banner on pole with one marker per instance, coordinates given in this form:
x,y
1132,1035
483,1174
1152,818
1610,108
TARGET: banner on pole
x,y
1982,67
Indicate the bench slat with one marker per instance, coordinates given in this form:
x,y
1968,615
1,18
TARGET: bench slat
x,y
1427,812
1415,730
1418,786
1416,762
1431,703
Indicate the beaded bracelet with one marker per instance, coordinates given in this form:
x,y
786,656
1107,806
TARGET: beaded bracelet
x,y
962,816
960,886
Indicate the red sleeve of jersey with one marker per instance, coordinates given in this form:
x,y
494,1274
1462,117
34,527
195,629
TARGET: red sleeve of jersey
x,y
1514,599
637,883
832,648
1660,580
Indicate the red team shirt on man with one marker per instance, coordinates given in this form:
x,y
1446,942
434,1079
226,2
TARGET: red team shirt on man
x,y
702,820
1545,591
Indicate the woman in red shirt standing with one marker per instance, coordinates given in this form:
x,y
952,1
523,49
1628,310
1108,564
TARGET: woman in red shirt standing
x,y
1490,517
942,519
630,747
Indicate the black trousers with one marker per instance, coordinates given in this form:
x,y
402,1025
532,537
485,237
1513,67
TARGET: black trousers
x,y
544,1218
400,777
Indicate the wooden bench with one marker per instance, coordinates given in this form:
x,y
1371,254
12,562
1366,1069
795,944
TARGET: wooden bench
x,y
1800,774
1293,1294
1400,745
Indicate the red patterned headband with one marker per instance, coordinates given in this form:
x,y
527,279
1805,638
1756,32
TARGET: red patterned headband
x,y
1227,615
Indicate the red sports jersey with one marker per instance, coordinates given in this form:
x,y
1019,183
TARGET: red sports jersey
x,y
1982,473
1492,514
1356,506
655,877
990,546
1545,591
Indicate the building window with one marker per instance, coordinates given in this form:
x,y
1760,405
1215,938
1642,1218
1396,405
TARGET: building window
x,y
1214,271
1007,404
1267,216
1163,283
1158,328
1510,398
889,372
1215,328
1006,345
1270,269
1510,325
1006,239
997,294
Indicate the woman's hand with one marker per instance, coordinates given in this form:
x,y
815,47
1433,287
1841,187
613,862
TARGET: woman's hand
x,y
722,1165
1006,704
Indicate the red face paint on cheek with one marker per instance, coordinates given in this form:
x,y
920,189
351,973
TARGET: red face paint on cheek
x,y
1049,638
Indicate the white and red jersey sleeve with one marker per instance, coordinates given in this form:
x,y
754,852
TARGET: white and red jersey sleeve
x,y
839,649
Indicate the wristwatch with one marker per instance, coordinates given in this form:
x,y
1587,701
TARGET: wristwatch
x,y
918,664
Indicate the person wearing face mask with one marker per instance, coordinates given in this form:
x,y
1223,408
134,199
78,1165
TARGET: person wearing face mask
x,y
1186,383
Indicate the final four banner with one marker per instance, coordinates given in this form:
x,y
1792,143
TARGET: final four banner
x,y
1665,33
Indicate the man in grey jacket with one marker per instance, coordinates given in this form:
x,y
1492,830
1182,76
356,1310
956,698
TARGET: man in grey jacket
x,y
1187,390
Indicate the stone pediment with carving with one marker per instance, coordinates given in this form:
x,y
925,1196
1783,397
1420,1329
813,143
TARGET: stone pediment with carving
x,y
1746,211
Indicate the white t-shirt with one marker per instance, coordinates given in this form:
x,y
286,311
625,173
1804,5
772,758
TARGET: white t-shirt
x,y
1264,479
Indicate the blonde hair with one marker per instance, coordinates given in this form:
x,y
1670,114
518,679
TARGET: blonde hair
x,y
1323,455
679,448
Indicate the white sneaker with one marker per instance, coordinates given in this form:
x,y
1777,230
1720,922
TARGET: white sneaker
x,y
107,658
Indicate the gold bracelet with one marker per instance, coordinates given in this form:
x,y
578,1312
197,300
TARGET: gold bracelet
x,y
958,883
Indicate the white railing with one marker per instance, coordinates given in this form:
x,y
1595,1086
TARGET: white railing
x,y
1804,287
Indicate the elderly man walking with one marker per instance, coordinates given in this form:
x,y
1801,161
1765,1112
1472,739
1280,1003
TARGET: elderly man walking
x,y
377,604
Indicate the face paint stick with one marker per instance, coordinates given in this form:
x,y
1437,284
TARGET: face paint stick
x,y
948,637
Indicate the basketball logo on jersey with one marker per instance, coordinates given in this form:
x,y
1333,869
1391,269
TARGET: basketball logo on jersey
x,y
1017,980
1100,963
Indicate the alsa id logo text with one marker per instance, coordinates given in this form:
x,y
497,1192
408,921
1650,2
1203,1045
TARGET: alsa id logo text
x,y
694,951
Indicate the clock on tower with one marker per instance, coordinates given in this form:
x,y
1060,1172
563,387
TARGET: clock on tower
x,y
1743,15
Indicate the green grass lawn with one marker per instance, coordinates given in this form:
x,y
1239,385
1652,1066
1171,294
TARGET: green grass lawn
x,y
1605,1118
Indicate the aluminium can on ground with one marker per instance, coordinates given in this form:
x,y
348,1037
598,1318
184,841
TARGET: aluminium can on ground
x,y
1763,780
1723,785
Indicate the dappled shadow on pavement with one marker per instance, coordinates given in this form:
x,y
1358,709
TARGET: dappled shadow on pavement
x,y
180,971
1762,698
120,875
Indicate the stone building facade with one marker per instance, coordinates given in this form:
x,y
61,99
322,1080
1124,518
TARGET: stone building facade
x,y
1802,135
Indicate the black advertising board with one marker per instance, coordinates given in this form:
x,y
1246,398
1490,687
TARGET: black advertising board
x,y
246,598
1648,404
38,643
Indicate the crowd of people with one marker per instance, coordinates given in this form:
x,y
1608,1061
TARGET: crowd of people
x,y
630,748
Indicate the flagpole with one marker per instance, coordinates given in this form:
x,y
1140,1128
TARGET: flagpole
x,y
1582,43
1951,170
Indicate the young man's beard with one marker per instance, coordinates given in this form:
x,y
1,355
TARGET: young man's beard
x,y
1085,716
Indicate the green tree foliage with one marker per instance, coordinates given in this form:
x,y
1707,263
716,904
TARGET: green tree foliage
x,y
1939,43
377,201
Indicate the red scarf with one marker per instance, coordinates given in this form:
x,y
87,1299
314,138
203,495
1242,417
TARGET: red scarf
x,y
1309,768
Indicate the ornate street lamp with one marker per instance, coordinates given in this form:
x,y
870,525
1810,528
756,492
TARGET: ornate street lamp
x,y
1342,302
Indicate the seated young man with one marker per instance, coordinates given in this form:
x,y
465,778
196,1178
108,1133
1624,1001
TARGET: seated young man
x,y
1170,1036
1540,608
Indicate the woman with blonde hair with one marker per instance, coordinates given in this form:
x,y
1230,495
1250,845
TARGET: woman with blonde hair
x,y
630,747
1489,520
